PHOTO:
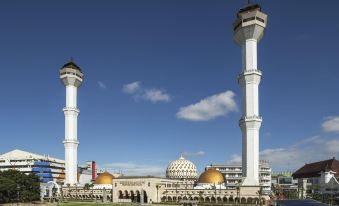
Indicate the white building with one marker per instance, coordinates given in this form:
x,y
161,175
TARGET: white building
x,y
46,167
233,175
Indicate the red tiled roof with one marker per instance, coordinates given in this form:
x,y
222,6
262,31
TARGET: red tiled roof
x,y
314,169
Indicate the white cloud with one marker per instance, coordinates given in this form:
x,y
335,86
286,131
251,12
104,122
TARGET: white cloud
x,y
209,108
236,159
156,95
295,156
102,85
331,124
130,168
131,88
190,154
153,95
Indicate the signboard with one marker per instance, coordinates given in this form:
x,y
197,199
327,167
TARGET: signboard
x,y
132,183
285,180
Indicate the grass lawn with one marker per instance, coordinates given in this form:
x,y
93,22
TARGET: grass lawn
x,y
89,204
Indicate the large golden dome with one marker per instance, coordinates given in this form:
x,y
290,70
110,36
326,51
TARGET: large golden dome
x,y
104,179
211,176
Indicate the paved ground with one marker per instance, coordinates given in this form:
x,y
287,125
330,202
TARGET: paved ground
x,y
299,203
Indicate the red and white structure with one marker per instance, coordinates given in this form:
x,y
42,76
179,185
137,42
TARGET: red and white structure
x,y
248,30
72,77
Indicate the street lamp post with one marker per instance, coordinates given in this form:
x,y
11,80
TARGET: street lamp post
x,y
61,194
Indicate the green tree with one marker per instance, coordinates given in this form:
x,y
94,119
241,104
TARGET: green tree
x,y
16,186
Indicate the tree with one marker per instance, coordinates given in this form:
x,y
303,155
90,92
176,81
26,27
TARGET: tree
x,y
16,186
260,193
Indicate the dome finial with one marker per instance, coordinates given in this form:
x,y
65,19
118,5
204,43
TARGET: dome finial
x,y
181,156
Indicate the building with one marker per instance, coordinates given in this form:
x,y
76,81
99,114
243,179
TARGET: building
x,y
46,167
209,187
72,77
87,173
233,175
248,30
319,177
147,189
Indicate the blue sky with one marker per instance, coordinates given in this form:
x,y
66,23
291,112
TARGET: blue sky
x,y
175,53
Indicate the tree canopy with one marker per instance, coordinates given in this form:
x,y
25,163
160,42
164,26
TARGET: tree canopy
x,y
16,186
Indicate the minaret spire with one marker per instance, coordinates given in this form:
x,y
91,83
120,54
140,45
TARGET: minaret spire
x,y
72,77
248,30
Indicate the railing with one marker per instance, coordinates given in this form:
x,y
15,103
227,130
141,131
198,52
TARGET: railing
x,y
254,117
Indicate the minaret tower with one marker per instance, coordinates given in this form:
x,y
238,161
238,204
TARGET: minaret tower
x,y
248,30
72,77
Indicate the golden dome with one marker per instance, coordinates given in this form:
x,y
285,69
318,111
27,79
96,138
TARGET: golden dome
x,y
211,176
104,179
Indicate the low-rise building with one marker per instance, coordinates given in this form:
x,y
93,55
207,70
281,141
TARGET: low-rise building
x,y
319,177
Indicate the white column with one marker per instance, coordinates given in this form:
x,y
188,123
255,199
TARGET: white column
x,y
71,96
249,54
250,123
71,138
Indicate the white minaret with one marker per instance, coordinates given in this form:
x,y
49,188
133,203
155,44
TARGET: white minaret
x,y
248,30
72,77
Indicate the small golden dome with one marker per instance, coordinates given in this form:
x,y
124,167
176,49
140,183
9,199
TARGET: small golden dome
x,y
104,179
211,176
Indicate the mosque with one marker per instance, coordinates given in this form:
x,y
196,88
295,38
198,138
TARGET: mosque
x,y
182,182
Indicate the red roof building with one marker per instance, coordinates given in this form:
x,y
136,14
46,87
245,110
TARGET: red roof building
x,y
314,169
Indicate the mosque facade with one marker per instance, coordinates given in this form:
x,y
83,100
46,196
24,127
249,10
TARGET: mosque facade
x,y
181,183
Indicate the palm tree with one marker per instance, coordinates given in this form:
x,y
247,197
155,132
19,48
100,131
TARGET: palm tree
x,y
260,193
